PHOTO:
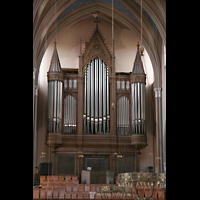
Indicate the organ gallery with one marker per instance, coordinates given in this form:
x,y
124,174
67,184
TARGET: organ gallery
x,y
98,118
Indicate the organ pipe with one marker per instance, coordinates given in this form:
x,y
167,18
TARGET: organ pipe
x,y
92,97
123,116
54,106
97,97
108,102
100,95
104,99
69,115
85,104
88,100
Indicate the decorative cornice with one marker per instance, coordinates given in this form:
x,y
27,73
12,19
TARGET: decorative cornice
x,y
158,92
53,76
138,78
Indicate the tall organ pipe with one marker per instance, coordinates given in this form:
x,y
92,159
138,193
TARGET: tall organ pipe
x,y
85,104
88,100
92,97
96,95
100,95
133,106
104,99
108,103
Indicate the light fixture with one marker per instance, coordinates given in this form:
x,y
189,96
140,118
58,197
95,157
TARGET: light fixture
x,y
136,179
80,155
43,154
119,156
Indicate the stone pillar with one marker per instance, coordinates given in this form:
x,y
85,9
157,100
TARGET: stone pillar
x,y
159,139
34,131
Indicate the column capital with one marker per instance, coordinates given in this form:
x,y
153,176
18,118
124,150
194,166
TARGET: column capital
x,y
36,90
158,92
34,71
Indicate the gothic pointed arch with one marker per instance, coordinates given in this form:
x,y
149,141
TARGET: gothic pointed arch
x,y
97,48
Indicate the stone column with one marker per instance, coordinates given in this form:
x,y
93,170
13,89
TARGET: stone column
x,y
159,138
34,131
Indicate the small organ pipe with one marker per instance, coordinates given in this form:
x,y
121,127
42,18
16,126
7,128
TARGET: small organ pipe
x,y
118,117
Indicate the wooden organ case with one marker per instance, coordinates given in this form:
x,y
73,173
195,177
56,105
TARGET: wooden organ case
x,y
95,118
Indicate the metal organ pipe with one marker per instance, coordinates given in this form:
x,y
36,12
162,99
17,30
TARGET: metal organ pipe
x,y
133,106
92,97
54,106
104,99
88,99
69,115
138,95
108,102
97,97
123,116
85,104
100,95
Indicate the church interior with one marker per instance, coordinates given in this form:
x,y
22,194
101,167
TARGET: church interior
x,y
99,99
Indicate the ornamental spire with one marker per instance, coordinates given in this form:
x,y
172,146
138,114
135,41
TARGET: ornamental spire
x,y
138,66
55,62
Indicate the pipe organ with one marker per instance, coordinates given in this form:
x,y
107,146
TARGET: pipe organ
x,y
96,98
93,108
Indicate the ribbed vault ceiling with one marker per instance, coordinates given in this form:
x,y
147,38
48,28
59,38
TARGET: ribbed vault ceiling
x,y
50,16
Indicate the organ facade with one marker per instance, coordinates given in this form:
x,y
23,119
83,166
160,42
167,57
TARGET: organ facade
x,y
95,112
